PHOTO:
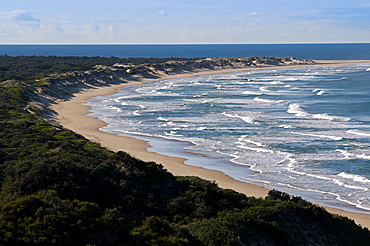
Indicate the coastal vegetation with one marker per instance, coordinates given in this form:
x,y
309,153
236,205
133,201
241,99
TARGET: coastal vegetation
x,y
58,188
31,68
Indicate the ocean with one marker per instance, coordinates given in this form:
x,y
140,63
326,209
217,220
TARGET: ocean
x,y
300,51
305,131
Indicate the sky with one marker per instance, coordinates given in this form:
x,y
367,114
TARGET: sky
x,y
184,21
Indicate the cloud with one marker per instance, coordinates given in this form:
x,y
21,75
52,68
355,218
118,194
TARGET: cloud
x,y
26,17
160,13
163,13
254,13
19,15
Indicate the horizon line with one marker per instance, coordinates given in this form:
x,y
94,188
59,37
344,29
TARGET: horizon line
x,y
181,43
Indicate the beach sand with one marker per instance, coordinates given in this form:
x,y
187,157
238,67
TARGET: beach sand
x,y
71,114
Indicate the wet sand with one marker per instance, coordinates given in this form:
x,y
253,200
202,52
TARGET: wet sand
x,y
71,114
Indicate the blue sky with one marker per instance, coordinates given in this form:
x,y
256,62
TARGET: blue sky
x,y
183,21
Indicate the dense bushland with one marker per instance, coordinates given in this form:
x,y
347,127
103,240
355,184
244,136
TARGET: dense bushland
x,y
30,68
57,188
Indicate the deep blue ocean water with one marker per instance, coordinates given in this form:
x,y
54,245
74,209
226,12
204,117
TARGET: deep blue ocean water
x,y
300,51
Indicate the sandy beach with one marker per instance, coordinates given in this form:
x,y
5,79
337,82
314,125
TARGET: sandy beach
x,y
71,114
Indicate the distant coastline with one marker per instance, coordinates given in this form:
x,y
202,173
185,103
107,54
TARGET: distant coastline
x,y
71,113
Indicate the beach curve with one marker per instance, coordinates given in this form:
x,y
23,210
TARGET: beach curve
x,y
72,114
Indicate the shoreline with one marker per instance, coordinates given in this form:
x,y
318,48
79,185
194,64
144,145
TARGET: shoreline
x,y
71,114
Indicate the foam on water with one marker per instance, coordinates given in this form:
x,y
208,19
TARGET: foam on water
x,y
359,133
295,108
267,100
319,136
252,93
319,92
246,119
307,137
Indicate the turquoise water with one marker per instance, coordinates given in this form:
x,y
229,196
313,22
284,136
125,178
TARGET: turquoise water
x,y
303,130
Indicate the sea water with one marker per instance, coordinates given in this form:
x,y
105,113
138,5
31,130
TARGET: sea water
x,y
300,51
302,130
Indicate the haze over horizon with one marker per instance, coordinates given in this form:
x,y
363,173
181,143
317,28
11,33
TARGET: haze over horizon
x,y
184,22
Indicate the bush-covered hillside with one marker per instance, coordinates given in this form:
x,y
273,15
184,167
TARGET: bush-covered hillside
x,y
28,68
57,188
